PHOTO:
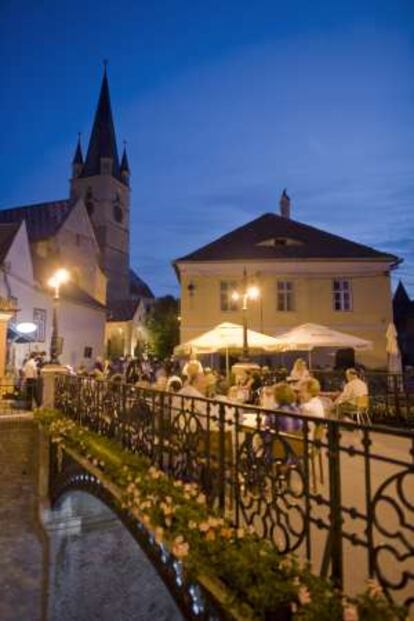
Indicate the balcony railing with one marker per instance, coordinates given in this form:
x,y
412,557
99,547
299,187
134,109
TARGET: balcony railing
x,y
336,494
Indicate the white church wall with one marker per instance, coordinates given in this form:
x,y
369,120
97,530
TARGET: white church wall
x,y
79,252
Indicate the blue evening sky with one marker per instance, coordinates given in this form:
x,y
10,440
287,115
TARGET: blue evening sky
x,y
223,104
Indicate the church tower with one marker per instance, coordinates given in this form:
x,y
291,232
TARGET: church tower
x,y
104,185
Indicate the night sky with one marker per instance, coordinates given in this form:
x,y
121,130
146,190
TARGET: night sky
x,y
222,104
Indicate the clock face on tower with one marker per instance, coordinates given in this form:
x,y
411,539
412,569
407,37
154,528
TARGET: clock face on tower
x,y
117,208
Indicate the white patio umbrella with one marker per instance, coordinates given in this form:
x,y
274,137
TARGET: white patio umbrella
x,y
310,335
393,351
227,337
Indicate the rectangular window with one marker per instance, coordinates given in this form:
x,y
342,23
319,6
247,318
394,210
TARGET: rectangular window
x,y
285,294
39,318
226,301
342,295
87,352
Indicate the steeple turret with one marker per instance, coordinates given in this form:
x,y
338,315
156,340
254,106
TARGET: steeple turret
x,y
102,155
77,162
124,170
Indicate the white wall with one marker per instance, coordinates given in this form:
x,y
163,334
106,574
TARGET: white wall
x,y
79,325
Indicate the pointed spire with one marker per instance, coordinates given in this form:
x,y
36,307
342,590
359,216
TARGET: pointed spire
x,y
78,157
124,161
102,143
77,162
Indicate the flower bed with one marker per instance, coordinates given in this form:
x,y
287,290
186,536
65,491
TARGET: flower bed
x,y
260,584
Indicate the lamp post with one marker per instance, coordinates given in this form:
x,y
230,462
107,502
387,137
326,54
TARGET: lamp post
x,y
248,293
59,278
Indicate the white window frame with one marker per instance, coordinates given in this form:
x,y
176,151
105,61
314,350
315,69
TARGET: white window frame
x,y
285,296
342,295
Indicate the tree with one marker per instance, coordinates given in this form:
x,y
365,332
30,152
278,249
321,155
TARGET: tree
x,y
163,326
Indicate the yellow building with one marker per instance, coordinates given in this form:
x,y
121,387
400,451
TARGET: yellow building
x,y
304,275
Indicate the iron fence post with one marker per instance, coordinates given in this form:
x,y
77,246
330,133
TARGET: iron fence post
x,y
160,427
222,456
335,503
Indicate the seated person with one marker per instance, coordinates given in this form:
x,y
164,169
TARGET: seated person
x,y
354,389
299,373
194,387
311,404
285,401
192,367
267,397
174,383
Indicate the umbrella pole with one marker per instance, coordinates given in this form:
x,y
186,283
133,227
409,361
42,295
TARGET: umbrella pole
x,y
310,359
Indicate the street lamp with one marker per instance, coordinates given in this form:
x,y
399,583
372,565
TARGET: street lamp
x,y
59,278
249,293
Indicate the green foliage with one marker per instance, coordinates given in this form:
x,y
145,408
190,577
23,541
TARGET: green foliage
x,y
256,579
163,326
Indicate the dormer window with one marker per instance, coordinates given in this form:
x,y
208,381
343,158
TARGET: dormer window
x,y
275,242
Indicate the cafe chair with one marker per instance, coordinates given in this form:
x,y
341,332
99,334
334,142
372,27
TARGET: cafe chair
x,y
361,415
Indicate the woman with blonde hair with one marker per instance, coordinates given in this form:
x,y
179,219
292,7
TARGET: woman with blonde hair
x,y
299,373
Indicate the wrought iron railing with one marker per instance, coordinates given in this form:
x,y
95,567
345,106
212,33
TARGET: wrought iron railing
x,y
338,494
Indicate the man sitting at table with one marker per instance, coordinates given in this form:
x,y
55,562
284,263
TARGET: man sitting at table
x,y
354,389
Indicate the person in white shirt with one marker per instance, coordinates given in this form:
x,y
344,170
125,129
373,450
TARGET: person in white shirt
x,y
194,387
31,374
354,389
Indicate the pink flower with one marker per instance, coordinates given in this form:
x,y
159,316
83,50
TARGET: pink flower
x,y
374,588
180,548
304,596
350,613
158,534
204,527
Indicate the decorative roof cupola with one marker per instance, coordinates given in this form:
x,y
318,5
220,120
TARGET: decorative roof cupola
x,y
284,204
77,162
124,170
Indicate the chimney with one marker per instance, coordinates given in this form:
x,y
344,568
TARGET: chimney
x,y
284,205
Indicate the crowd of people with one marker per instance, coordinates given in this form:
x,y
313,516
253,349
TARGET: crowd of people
x,y
298,392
